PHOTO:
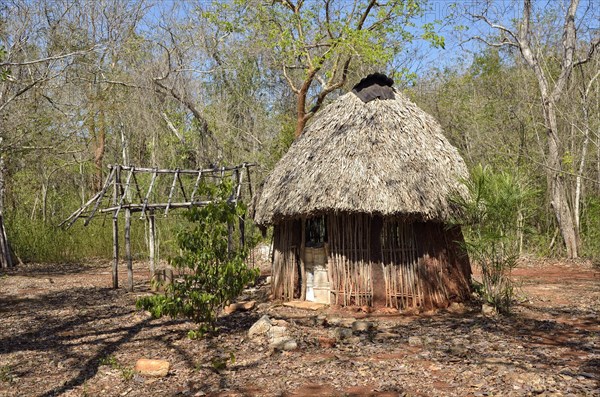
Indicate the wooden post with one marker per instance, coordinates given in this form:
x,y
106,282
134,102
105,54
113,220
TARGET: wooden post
x,y
230,237
234,197
242,226
128,249
242,221
152,242
115,267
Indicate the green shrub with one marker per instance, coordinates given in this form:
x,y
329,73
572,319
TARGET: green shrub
x,y
211,271
493,217
590,228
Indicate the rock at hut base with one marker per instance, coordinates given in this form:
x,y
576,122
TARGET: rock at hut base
x,y
276,332
488,310
280,340
386,336
340,333
261,327
284,343
362,326
457,308
326,342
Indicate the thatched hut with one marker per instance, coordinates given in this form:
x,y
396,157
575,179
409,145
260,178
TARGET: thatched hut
x,y
359,206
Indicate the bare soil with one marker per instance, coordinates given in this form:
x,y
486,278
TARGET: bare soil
x,y
64,332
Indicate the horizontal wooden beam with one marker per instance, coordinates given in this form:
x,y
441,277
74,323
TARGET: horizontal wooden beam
x,y
138,207
192,172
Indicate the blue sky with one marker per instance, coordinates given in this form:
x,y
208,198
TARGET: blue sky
x,y
459,50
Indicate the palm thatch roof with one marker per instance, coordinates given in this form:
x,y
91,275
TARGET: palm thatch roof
x,y
384,157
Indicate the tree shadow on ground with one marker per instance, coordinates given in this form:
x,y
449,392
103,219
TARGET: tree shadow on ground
x,y
80,326
557,344
58,269
475,339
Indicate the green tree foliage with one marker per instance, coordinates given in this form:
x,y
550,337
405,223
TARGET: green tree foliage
x,y
493,216
489,110
211,271
192,83
314,44
590,228
552,60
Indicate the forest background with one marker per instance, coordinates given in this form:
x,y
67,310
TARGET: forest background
x,y
195,84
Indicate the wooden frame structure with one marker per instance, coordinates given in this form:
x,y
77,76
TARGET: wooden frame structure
x,y
129,195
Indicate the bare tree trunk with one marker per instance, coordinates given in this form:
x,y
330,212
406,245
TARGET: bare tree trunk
x,y
82,176
100,149
551,89
5,254
301,116
44,200
300,119
597,111
584,149
153,156
550,97
124,147
558,194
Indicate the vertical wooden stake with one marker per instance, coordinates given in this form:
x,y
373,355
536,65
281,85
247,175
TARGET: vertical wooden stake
x,y
115,268
230,237
128,249
242,226
152,243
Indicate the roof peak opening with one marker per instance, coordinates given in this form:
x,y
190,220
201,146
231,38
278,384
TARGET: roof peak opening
x,y
374,86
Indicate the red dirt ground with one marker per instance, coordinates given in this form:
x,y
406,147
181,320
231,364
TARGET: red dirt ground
x,y
64,332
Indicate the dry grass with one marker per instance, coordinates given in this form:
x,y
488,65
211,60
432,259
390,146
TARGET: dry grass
x,y
386,156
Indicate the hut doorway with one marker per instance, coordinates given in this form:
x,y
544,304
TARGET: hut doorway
x,y
315,260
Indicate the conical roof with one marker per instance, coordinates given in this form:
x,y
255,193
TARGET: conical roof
x,y
384,157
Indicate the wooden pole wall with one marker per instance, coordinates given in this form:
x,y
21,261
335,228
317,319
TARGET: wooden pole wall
x,y
375,254
122,199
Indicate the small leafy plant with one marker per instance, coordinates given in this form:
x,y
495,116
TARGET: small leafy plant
x,y
212,272
126,372
6,375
